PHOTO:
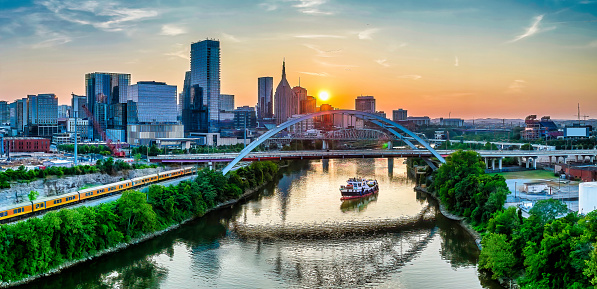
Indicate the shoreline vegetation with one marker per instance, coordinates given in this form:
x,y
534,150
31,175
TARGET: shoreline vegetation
x,y
40,247
550,249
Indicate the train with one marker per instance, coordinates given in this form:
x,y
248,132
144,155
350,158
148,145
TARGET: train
x,y
22,210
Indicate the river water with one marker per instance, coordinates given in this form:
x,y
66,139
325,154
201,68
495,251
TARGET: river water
x,y
298,234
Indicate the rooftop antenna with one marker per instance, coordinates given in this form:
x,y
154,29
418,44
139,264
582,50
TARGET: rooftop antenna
x,y
299,81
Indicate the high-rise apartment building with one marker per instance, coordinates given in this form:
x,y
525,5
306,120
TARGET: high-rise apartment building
x,y
400,115
285,100
365,103
106,99
42,115
205,83
265,104
4,112
152,102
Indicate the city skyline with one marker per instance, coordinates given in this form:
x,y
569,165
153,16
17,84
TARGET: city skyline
x,y
468,60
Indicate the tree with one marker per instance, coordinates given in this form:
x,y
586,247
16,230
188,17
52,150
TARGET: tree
x,y
547,210
137,157
137,216
33,196
497,255
526,147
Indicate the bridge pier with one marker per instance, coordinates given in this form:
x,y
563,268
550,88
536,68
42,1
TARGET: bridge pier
x,y
390,166
500,163
493,163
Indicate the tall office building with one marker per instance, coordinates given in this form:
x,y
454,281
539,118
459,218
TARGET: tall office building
x,y
106,99
308,105
365,103
63,111
42,115
400,115
77,103
285,100
19,115
265,104
152,102
4,112
205,81
226,102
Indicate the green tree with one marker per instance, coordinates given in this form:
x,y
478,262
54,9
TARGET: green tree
x,y
497,255
137,216
547,210
32,196
526,147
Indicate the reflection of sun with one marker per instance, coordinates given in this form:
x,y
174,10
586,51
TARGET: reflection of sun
x,y
324,95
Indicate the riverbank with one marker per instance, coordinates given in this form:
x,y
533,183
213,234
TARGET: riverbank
x,y
134,241
463,223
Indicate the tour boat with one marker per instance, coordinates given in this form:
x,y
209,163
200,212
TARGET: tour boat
x,y
358,188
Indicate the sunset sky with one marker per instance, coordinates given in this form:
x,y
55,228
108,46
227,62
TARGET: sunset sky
x,y
464,58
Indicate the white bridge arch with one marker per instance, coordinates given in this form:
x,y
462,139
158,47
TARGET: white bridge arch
x,y
376,119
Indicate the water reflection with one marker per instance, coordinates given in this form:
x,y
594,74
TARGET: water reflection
x,y
357,204
295,236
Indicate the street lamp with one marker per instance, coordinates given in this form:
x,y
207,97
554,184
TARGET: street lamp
x,y
514,191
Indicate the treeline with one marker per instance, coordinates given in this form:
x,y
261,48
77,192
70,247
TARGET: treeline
x,y
541,251
37,245
153,150
86,149
107,166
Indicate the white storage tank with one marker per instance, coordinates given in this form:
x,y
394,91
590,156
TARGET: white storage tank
x,y
587,197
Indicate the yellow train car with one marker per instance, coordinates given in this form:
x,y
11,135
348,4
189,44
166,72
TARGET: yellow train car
x,y
62,200
15,211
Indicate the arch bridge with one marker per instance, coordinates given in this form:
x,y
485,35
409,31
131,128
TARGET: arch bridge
x,y
392,127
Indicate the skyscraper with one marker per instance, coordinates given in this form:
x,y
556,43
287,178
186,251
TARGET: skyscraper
x,y
4,112
42,114
365,103
106,99
153,102
265,104
205,74
226,102
77,103
285,101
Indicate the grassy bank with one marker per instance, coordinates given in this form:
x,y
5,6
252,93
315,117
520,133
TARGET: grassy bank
x,y
39,245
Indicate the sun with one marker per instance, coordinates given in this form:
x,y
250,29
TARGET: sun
x,y
324,95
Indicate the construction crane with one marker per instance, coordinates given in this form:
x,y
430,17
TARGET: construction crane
x,y
115,149
583,116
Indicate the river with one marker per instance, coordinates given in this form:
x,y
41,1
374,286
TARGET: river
x,y
296,233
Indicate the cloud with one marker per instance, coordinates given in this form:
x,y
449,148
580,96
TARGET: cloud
x,y
334,64
456,61
172,30
311,7
531,30
366,34
180,50
317,36
107,16
268,6
383,62
230,38
323,53
516,86
411,76
394,47
590,45
54,40
323,74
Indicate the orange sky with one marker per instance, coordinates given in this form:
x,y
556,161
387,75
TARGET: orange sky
x,y
471,61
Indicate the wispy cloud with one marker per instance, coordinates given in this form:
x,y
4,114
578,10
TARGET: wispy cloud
x,y
383,62
456,61
54,40
179,50
317,36
268,6
323,53
323,63
230,38
533,29
394,47
323,74
590,45
411,76
366,34
516,86
311,7
107,16
172,30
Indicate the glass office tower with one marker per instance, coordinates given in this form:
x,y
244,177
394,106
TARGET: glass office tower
x,y
205,74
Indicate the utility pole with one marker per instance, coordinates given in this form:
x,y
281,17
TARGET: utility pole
x,y
75,111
